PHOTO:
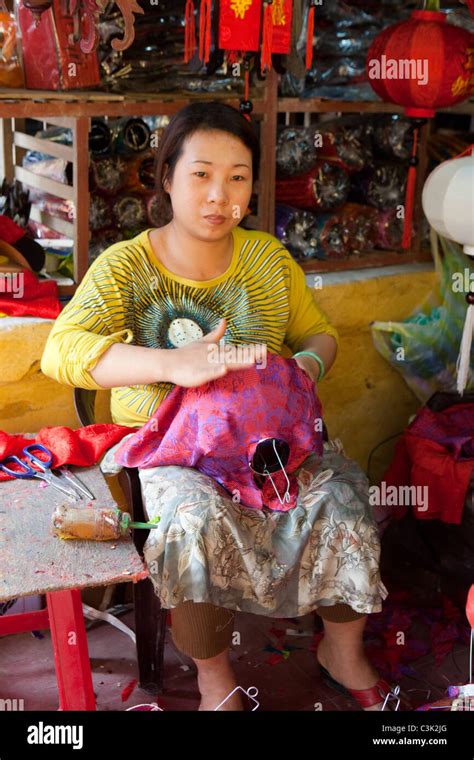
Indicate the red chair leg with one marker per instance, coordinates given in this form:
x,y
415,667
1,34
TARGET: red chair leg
x,y
71,654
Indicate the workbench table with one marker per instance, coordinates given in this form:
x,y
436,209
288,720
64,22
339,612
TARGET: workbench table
x,y
34,561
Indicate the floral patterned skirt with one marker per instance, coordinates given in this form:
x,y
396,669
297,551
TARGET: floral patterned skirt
x,y
208,548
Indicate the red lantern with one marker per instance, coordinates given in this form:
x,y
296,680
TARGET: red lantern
x,y
422,64
470,5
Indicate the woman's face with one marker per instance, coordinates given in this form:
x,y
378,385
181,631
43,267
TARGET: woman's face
x,y
213,177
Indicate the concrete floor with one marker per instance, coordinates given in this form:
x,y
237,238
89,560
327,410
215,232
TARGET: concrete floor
x,y
27,669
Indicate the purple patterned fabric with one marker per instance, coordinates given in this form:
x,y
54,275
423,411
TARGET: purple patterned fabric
x,y
452,428
217,426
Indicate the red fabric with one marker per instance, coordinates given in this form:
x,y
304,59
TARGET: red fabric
x,y
10,232
282,12
217,426
424,37
435,452
239,27
83,447
28,296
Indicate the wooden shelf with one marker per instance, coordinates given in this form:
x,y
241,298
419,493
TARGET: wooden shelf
x,y
366,260
39,104
75,103
319,105
76,108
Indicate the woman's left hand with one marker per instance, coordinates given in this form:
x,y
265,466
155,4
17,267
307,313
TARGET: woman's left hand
x,y
310,366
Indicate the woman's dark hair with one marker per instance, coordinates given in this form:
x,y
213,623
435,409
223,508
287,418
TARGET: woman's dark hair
x,y
198,116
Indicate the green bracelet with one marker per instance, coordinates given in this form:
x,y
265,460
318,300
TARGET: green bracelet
x,y
316,357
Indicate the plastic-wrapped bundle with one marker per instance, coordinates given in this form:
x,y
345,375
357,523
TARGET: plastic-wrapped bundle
x,y
99,212
295,151
393,136
360,223
40,231
342,37
461,17
343,15
334,41
343,145
389,229
62,135
311,236
51,204
323,188
102,240
334,71
56,169
141,173
351,230
155,61
45,164
130,135
109,174
130,212
382,186
158,43
299,148
100,137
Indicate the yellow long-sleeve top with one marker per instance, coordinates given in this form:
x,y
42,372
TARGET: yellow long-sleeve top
x,y
128,296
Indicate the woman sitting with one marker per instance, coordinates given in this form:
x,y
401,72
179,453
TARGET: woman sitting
x,y
142,321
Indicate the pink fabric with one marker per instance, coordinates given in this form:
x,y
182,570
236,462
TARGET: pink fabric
x,y
216,427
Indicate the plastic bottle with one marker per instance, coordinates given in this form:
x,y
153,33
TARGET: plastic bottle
x,y
93,523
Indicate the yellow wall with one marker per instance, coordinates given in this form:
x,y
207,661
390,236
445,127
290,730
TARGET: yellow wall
x,y
364,399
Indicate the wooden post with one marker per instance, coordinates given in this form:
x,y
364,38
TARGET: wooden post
x,y
266,198
6,150
81,128
425,132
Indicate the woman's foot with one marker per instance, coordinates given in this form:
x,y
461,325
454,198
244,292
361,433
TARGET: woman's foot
x,y
352,672
216,680
213,693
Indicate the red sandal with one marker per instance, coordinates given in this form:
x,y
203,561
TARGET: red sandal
x,y
391,696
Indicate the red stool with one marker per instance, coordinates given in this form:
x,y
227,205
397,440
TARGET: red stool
x,y
64,617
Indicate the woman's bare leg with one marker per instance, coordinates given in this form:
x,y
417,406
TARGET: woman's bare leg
x,y
216,680
341,652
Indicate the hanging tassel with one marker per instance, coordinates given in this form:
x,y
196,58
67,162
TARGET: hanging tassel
x,y
246,105
233,56
247,90
464,358
189,32
309,37
410,193
205,30
266,57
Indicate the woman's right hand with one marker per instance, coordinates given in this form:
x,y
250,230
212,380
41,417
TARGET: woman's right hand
x,y
205,359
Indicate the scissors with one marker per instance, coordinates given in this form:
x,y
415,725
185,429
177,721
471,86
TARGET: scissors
x,y
26,471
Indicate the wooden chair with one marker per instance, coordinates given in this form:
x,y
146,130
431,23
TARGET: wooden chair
x,y
150,616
